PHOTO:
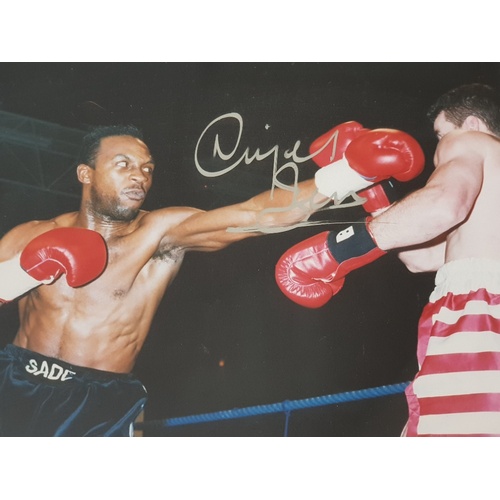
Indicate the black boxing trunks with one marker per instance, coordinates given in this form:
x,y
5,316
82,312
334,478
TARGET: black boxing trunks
x,y
42,396
457,389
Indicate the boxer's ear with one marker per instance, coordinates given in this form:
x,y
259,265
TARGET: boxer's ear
x,y
474,123
84,173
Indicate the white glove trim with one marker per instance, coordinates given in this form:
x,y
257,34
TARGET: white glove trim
x,y
338,180
14,280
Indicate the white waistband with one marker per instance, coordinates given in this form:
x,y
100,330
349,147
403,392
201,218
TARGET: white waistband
x,y
467,275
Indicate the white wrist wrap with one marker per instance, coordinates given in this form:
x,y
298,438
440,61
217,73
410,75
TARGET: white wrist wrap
x,y
338,180
14,281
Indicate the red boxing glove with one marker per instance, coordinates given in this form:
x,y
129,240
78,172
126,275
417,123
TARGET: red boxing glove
x,y
371,157
383,153
79,253
331,146
312,271
379,197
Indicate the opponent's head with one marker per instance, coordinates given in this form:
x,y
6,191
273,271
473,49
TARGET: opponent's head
x,y
116,169
468,102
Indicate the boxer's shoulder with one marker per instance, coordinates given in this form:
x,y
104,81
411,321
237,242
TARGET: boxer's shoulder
x,y
166,219
19,236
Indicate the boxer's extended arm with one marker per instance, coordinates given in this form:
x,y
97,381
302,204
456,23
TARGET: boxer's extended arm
x,y
371,157
78,253
267,212
367,157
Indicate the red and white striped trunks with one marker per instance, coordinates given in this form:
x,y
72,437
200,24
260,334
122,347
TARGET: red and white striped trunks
x,y
457,389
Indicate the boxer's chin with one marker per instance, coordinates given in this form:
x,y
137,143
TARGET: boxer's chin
x,y
123,214
111,209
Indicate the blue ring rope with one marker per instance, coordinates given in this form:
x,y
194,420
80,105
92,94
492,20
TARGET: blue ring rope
x,y
285,406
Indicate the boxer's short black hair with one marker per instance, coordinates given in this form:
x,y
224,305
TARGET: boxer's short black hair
x,y
474,99
92,140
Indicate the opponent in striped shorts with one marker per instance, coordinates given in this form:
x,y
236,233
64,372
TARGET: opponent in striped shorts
x,y
456,391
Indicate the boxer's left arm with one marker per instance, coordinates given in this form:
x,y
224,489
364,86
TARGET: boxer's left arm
x,y
383,154
267,212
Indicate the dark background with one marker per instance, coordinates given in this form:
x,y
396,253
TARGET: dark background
x,y
226,305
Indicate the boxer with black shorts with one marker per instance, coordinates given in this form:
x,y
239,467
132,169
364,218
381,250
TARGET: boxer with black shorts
x,y
48,395
89,283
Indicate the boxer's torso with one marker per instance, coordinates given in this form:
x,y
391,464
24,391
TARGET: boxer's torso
x,y
479,234
103,325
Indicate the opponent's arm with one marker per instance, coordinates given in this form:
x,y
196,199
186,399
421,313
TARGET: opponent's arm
x,y
312,271
443,203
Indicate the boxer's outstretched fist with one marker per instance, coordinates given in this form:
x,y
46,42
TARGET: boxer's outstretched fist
x,y
80,254
371,157
314,270
330,147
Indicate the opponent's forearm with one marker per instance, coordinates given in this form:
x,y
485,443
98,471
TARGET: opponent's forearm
x,y
419,218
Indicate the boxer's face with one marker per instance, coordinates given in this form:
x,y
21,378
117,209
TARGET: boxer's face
x,y
121,179
442,126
